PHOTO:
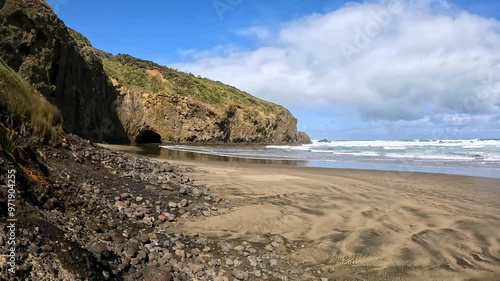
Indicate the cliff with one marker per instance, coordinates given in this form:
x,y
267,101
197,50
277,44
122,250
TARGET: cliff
x,y
124,99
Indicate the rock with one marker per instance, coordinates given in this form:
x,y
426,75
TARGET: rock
x,y
143,237
196,192
117,237
139,214
34,249
275,244
183,203
215,262
229,262
167,187
206,213
46,248
182,190
172,204
240,275
100,249
170,217
179,245
331,270
131,250
142,255
278,239
257,273
162,218
180,253
239,248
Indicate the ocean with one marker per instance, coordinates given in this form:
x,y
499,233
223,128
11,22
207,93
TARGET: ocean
x,y
474,157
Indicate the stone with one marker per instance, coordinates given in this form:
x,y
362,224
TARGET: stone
x,y
240,275
117,237
180,253
139,214
196,192
100,249
239,248
179,245
183,203
131,249
143,237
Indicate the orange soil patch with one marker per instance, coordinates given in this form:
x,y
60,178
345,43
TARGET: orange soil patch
x,y
155,73
36,178
114,81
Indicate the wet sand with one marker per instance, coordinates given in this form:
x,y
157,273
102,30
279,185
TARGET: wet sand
x,y
368,225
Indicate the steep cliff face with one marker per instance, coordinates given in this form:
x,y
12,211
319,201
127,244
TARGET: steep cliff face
x,y
36,44
120,98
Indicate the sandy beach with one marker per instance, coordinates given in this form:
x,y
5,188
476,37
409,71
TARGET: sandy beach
x,y
368,225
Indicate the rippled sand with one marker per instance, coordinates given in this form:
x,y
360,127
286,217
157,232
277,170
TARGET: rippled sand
x,y
369,225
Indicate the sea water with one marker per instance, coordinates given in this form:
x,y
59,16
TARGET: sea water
x,y
477,157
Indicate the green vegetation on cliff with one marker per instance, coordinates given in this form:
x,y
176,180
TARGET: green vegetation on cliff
x,y
20,105
133,72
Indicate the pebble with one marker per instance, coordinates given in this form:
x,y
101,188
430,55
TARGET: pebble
x,y
183,203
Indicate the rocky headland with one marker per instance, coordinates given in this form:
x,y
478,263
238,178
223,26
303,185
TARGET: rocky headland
x,y
122,99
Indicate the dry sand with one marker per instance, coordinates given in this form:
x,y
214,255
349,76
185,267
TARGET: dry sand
x,y
369,225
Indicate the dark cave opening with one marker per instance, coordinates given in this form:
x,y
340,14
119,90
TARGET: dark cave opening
x,y
148,136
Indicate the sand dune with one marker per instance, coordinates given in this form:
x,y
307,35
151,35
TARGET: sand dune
x,y
369,225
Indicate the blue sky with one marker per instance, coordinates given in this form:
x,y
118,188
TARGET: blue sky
x,y
395,69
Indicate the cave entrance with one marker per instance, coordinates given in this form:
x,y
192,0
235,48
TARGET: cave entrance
x,y
148,136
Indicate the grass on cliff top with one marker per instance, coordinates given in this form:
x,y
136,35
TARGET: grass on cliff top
x,y
81,40
19,101
130,71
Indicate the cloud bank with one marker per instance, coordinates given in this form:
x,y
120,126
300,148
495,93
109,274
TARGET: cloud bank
x,y
387,60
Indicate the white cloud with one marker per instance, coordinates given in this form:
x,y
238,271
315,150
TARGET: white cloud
x,y
411,60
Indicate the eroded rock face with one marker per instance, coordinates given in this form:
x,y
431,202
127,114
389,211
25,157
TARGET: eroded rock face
x,y
69,72
185,120
38,45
